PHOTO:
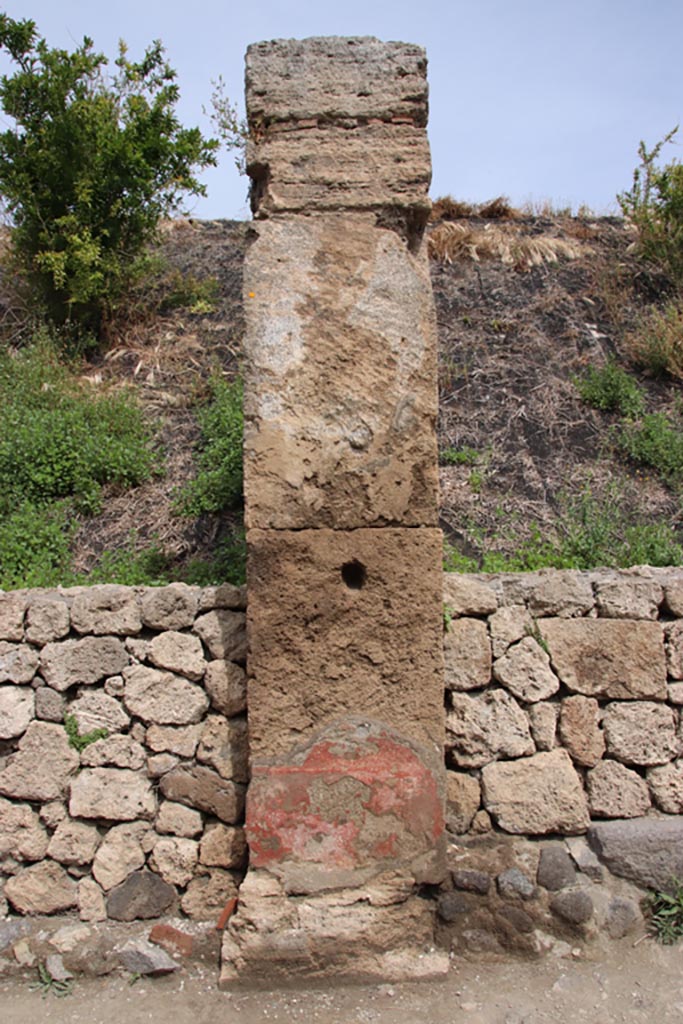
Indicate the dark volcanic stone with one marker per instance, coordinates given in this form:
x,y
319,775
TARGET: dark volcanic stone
x,y
623,915
555,868
204,789
648,851
574,906
142,895
451,905
518,918
514,882
472,881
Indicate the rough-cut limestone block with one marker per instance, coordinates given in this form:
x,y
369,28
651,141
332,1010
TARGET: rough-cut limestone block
x,y
21,834
525,671
114,751
207,895
12,610
543,722
82,662
463,796
180,740
335,78
42,766
564,593
640,733
648,851
226,685
608,658
115,794
47,619
18,663
74,842
108,609
616,792
224,595
675,692
344,622
200,787
224,633
91,905
181,653
178,820
223,846
224,746
96,710
377,932
175,859
467,655
162,698
508,625
171,607
44,888
538,795
485,728
673,595
674,650
464,595
324,168
358,800
666,786
340,385
580,731
627,597
17,708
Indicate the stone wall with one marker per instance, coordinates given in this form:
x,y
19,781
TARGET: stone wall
x,y
564,693
146,821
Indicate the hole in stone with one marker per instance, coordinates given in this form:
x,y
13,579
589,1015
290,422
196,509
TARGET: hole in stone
x,y
354,574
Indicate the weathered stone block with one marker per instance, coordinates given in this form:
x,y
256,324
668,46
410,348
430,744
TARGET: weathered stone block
x,y
352,620
181,740
226,685
484,728
43,765
543,722
463,796
525,671
114,751
47,619
43,888
464,595
539,795
555,868
162,698
467,655
181,653
580,730
171,607
224,746
640,732
115,794
175,859
508,625
565,593
178,820
108,609
666,786
223,632
21,834
143,895
205,790
608,658
627,597
17,708
74,842
12,610
615,791
340,392
71,662
674,651
223,846
207,894
96,710
18,663
648,851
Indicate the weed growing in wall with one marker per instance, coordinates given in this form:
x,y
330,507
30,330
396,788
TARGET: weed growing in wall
x,y
666,913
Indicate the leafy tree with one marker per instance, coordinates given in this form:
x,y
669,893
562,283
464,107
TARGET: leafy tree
x,y
91,163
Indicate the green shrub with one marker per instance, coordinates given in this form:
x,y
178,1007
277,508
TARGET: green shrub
x,y
90,164
34,547
131,567
654,203
666,913
228,565
218,484
654,442
459,457
61,441
611,389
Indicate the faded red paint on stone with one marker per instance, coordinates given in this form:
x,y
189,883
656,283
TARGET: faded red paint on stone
x,y
350,802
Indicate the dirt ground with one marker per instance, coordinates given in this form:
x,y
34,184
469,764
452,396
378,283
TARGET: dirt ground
x,y
642,983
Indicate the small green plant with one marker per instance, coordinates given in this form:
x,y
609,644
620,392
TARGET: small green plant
x,y
131,566
666,913
76,740
218,484
459,456
535,632
476,480
34,546
611,389
46,984
654,204
657,345
447,618
654,442
228,565
197,295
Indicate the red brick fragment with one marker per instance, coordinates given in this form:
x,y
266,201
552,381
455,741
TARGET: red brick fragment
x,y
171,939
226,913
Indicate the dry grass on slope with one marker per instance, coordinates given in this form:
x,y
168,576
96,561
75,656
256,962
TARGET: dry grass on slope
x,y
506,243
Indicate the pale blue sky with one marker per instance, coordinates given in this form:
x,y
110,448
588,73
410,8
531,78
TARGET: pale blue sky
x,y
533,99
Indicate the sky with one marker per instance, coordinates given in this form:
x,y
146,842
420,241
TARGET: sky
x,y
537,100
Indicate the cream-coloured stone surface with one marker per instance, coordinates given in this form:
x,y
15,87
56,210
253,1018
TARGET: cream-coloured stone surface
x,y
178,820
120,854
224,746
539,795
115,794
615,791
180,740
178,652
627,597
162,698
12,610
223,632
608,657
464,595
641,733
171,607
18,662
463,796
94,709
226,684
44,888
487,727
69,662
666,786
525,671
114,751
565,593
320,648
47,619
674,649
223,846
108,609
21,833
543,721
91,905
74,842
175,859
467,655
17,707
508,625
43,765
340,383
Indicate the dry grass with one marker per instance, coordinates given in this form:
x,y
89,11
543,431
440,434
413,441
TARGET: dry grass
x,y
657,344
449,243
447,208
